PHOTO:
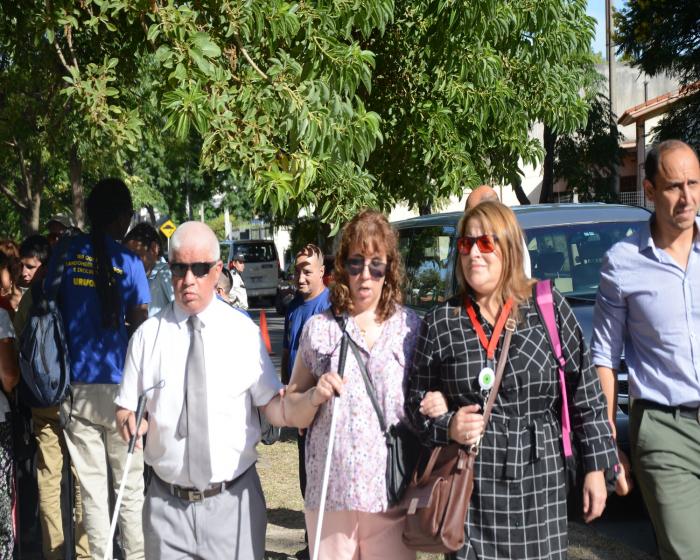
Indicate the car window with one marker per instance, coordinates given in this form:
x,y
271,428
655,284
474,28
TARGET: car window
x,y
224,248
571,255
426,253
257,252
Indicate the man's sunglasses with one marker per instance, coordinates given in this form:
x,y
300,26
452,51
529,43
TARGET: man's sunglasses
x,y
199,269
356,265
486,243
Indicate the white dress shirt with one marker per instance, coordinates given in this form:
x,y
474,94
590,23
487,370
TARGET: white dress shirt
x,y
240,376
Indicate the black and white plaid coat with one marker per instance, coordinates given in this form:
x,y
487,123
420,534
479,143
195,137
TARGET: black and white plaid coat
x,y
518,509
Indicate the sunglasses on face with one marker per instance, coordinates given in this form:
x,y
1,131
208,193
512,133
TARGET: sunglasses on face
x,y
486,243
199,269
356,265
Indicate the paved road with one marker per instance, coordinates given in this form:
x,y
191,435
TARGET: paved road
x,y
624,520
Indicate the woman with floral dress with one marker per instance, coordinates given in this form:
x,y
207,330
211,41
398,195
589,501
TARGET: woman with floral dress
x,y
358,521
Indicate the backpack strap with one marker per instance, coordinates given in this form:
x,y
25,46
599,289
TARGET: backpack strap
x,y
545,308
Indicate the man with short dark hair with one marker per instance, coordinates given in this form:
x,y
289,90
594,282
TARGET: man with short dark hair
x,y
238,295
647,308
33,253
143,239
312,297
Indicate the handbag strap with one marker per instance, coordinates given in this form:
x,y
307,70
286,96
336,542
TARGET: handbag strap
x,y
368,383
545,307
473,449
500,367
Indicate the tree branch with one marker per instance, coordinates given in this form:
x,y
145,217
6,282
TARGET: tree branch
x,y
60,55
69,38
245,54
4,189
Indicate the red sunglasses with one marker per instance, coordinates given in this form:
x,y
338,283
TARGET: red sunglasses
x,y
486,243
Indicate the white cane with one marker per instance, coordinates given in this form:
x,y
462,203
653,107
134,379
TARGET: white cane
x,y
329,452
141,407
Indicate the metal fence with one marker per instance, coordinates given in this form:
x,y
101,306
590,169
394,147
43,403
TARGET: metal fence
x,y
636,198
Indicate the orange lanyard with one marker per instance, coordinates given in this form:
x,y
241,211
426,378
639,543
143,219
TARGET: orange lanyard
x,y
489,344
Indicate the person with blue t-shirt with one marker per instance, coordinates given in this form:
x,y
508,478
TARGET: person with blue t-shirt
x,y
103,298
312,297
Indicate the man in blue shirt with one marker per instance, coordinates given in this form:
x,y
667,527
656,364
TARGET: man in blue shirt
x,y
648,307
103,297
312,297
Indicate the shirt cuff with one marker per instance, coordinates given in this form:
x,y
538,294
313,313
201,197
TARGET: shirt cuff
x,y
441,429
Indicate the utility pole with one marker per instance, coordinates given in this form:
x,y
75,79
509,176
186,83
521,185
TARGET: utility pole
x,y
610,54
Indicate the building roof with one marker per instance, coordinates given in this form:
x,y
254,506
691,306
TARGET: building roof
x,y
657,105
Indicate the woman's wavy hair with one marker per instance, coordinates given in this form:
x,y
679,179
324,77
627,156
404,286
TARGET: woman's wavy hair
x,y
12,263
496,218
371,231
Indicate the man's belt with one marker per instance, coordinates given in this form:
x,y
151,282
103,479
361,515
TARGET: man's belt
x,y
194,495
685,411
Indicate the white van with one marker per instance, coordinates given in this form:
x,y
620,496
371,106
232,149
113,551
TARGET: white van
x,y
262,266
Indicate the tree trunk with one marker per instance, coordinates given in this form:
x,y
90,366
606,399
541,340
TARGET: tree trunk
x,y
151,213
424,208
517,185
547,192
76,183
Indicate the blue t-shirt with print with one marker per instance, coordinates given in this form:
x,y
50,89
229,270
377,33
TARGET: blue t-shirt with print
x,y
298,312
97,353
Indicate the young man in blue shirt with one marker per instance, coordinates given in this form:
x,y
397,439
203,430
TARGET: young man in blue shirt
x,y
312,297
103,298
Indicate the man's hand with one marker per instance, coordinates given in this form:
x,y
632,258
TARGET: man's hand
x,y
624,483
126,424
594,495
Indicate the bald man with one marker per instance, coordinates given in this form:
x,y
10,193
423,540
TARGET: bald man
x,y
482,193
203,424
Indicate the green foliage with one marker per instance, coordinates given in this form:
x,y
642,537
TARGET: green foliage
x,y
587,158
459,84
662,37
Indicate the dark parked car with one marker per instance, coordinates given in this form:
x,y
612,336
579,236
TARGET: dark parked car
x,y
566,243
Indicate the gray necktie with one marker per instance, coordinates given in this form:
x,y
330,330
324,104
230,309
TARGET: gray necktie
x,y
193,423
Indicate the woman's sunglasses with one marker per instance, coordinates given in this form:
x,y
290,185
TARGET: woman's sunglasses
x,y
355,266
199,269
486,243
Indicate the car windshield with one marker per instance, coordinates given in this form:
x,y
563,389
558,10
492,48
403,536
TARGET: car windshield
x,y
257,252
571,255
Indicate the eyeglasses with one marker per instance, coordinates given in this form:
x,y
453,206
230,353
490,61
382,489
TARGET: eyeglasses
x,y
356,265
486,243
199,269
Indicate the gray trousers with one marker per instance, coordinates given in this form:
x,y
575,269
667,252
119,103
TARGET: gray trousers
x,y
230,525
666,462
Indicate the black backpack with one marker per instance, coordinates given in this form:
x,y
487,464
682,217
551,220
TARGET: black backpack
x,y
43,348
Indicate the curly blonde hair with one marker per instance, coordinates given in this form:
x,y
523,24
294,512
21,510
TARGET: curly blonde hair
x,y
496,218
370,230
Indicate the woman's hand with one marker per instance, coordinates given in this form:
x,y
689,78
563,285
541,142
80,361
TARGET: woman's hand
x,y
594,495
434,404
328,384
467,425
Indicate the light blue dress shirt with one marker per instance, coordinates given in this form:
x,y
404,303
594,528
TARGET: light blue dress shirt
x,y
648,308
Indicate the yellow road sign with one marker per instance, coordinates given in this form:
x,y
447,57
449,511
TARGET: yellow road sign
x,y
168,228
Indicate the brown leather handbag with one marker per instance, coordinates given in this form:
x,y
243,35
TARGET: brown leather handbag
x,y
437,499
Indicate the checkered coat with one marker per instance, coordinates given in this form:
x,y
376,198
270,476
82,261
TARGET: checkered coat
x,y
518,509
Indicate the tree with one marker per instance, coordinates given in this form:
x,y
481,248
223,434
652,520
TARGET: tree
x,y
587,158
662,37
459,85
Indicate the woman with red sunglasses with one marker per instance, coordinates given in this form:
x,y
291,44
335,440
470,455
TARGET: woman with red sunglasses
x,y
358,520
518,509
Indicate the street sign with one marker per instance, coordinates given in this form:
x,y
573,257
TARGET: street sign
x,y
167,228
